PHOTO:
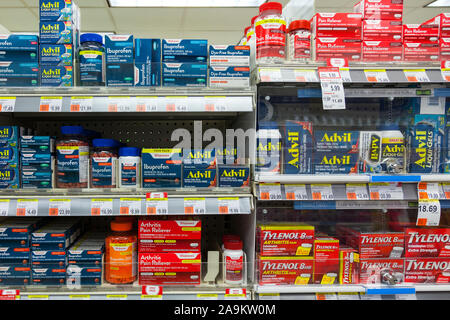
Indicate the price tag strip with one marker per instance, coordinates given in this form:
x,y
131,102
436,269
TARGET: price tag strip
x,y
50,104
270,191
152,293
147,104
207,296
345,74
101,207
379,75
194,206
326,296
357,191
157,203
215,104
429,213
121,104
177,104
269,296
59,207
131,206
427,190
27,207
333,97
322,192
81,104
270,75
417,75
386,191
295,192
236,294
7,104
4,207
445,70
80,297
302,75
117,296
229,205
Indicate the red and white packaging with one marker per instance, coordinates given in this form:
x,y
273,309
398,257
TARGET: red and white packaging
x,y
419,51
427,270
326,264
285,240
444,46
382,30
380,9
427,242
348,265
169,268
169,235
342,25
326,48
382,51
372,270
427,32
285,270
444,25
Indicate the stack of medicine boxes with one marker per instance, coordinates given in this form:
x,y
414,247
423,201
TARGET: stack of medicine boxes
x,y
15,236
36,158
9,157
229,66
85,260
49,246
19,64
119,60
59,38
147,62
184,63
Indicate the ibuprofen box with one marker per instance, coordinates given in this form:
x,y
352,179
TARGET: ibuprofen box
x,y
335,47
285,240
342,25
48,258
233,176
16,253
20,70
119,60
285,270
326,260
298,147
229,76
372,269
184,50
169,235
19,56
427,242
420,51
56,54
37,144
161,168
382,51
169,268
429,270
348,265
229,55
19,43
380,9
16,232
382,30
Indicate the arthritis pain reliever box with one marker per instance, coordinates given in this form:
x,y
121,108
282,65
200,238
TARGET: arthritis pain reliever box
x,y
427,242
285,240
285,270
229,55
182,230
382,50
326,261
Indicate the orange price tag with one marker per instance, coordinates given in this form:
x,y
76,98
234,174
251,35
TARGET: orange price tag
x,y
422,222
223,209
423,195
375,195
447,195
140,108
151,210
95,211
112,108
44,107
372,79
189,210
290,195
209,107
317,196
351,196
264,196
53,212
412,79
300,79
124,210
74,108
20,212
170,107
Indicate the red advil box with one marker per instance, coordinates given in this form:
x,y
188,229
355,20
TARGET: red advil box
x,y
382,30
380,9
373,270
419,51
285,240
342,25
427,270
427,242
382,51
285,270
169,268
326,260
326,48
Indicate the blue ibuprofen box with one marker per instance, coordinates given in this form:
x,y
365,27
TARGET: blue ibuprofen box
x,y
185,70
119,49
298,144
31,81
184,50
161,168
147,74
229,55
19,42
37,144
56,54
233,176
28,158
19,56
9,272
147,50
14,253
10,69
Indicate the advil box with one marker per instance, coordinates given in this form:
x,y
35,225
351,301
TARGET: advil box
x,y
285,270
371,269
169,268
348,265
342,25
285,240
380,9
382,30
434,270
377,244
429,242
298,147
326,255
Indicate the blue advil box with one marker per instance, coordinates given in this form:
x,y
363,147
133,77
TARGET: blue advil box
x,y
9,178
9,156
199,168
57,32
298,147
56,54
56,76
56,10
233,176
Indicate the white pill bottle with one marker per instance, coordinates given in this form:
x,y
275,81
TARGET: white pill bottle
x,y
233,256
129,167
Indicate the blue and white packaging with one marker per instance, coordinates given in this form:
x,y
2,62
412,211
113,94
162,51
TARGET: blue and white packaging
x,y
9,178
57,32
147,74
204,158
9,69
9,156
56,54
161,168
31,81
8,253
19,56
184,50
17,231
14,272
184,74
56,258
119,60
19,43
147,50
56,76
298,147
268,148
229,55
9,135
57,10
34,158
233,176
229,77
37,144
198,177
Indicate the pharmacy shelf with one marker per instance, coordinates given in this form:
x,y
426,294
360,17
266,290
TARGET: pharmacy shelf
x,y
288,72
73,203
125,100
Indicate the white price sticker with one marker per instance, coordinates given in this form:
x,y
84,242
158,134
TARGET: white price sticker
x,y
378,75
236,294
345,74
4,207
270,191
295,192
194,206
59,207
322,192
177,104
147,104
417,75
81,104
117,296
302,75
270,75
152,293
386,191
50,104
80,297
217,104
333,97
356,191
7,104
427,190
101,207
121,104
432,105
131,206
429,213
27,207
157,203
229,205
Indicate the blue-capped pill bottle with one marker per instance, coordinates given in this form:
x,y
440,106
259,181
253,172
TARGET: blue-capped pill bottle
x,y
92,60
129,167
